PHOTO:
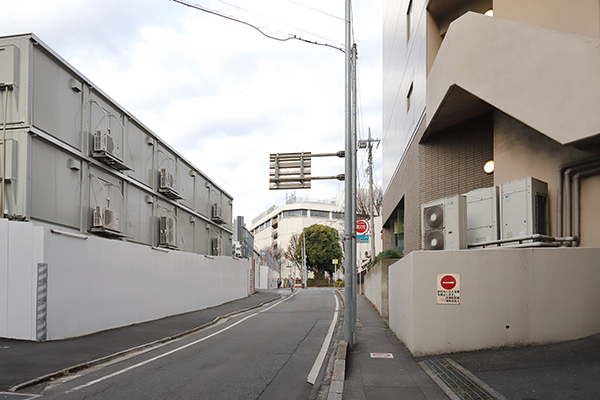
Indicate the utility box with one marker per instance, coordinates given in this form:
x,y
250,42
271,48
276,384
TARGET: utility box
x,y
523,208
482,215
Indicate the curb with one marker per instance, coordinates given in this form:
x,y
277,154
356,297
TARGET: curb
x,y
79,367
336,389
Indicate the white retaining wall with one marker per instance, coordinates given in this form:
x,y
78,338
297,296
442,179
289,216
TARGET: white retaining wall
x,y
95,284
509,297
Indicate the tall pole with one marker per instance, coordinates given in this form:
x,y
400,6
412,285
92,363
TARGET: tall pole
x,y
349,215
371,198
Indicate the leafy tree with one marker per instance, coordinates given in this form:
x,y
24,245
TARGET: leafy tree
x,y
322,246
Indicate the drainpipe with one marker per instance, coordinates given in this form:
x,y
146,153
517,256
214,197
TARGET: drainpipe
x,y
564,179
577,200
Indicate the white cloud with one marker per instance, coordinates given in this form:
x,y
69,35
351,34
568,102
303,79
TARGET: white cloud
x,y
219,92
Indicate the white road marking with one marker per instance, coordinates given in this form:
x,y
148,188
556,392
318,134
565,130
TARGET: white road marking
x,y
171,351
312,376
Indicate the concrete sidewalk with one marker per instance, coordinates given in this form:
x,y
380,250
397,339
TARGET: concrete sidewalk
x,y
369,378
561,371
22,361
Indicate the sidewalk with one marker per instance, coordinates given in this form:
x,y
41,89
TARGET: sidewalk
x,y
395,378
561,371
22,361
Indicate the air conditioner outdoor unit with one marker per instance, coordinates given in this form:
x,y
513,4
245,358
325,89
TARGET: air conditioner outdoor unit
x,y
167,232
106,218
104,143
217,213
483,214
217,246
523,208
167,181
444,224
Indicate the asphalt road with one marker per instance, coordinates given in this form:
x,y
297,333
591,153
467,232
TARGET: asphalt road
x,y
266,353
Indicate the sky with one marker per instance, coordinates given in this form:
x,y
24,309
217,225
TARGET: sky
x,y
221,93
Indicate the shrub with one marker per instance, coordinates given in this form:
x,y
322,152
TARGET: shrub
x,y
385,255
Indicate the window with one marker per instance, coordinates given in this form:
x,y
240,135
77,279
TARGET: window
x,y
337,215
295,213
409,97
408,20
319,214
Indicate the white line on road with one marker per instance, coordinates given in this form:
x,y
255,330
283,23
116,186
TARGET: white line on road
x,y
171,351
312,376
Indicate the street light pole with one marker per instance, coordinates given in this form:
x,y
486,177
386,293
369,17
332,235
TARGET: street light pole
x,y
350,193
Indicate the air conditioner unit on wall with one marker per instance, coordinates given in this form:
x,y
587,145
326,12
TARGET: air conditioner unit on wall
x,y
444,224
217,213
482,215
104,143
523,208
105,218
167,181
217,246
167,232
166,184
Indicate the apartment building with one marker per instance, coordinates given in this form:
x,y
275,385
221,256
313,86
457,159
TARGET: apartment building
x,y
513,85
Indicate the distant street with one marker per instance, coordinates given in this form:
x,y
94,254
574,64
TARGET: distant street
x,y
266,353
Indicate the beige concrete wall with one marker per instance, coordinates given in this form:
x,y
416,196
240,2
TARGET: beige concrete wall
x,y
520,151
557,91
376,286
509,297
579,17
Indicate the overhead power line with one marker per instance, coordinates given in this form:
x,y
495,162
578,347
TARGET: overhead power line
x,y
290,37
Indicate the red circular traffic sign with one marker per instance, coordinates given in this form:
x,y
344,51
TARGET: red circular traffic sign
x,y
362,227
448,282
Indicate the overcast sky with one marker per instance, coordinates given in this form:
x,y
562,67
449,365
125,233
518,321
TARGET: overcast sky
x,y
219,92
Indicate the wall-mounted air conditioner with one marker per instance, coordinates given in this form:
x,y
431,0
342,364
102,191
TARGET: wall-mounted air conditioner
x,y
217,246
106,149
167,232
523,208
444,224
166,184
217,213
105,218
483,214
104,143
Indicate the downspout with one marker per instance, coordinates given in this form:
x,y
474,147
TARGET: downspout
x,y
577,199
564,211
3,176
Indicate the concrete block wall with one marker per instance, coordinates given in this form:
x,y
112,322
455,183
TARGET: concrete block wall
x,y
509,297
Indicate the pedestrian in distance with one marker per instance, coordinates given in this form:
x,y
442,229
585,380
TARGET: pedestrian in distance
x,y
278,283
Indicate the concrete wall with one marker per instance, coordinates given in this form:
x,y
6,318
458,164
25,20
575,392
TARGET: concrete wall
x,y
509,297
376,286
95,283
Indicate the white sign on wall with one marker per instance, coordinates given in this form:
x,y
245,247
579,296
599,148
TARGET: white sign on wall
x,y
448,289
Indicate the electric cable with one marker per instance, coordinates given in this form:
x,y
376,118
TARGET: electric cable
x,y
291,37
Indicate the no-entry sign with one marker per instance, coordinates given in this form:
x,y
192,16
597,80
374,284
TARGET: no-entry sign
x,y
448,288
362,226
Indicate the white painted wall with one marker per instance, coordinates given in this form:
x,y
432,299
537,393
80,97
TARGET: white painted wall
x,y
96,284
509,297
21,249
267,278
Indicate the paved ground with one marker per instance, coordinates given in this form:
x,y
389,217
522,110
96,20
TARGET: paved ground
x,y
21,360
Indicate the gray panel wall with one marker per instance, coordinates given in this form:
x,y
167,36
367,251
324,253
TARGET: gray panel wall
x,y
61,183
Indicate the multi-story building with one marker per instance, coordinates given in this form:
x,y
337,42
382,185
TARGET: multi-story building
x,y
109,222
517,83
274,227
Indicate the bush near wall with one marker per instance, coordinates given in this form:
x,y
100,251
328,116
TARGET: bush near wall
x,y
384,255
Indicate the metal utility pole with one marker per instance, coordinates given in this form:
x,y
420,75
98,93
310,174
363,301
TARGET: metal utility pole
x,y
350,190
304,270
371,197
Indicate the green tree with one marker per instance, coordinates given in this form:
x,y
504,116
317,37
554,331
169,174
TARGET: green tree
x,y
322,246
